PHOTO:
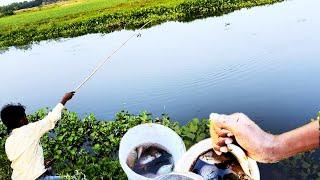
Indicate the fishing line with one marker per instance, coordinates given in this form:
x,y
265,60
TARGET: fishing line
x,y
138,34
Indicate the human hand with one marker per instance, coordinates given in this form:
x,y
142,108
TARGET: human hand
x,y
48,163
67,97
258,144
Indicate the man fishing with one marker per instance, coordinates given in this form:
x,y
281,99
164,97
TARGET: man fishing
x,y
23,144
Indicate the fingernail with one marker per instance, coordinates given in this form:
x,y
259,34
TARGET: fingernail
x,y
224,149
228,141
229,134
218,153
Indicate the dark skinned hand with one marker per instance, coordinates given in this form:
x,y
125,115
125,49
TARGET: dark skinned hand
x,y
67,97
48,163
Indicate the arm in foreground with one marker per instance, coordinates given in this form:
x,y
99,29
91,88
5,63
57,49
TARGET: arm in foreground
x,y
51,119
260,145
302,139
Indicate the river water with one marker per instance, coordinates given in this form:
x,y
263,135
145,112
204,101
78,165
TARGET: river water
x,y
262,61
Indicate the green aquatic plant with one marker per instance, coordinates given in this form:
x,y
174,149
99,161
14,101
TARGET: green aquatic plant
x,y
91,147
5,169
88,148
97,16
304,165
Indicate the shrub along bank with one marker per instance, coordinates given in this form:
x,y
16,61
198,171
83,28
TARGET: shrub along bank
x,y
27,27
87,146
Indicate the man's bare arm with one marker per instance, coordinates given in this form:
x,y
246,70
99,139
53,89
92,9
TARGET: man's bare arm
x,y
260,145
302,139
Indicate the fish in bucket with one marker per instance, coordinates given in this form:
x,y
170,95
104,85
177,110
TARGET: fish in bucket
x,y
201,159
150,150
153,151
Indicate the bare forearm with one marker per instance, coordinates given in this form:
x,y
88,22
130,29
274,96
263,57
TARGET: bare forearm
x,y
302,139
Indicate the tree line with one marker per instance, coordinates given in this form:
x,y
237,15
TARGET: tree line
x,y
9,9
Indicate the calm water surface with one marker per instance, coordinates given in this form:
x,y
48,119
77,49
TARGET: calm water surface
x,y
262,61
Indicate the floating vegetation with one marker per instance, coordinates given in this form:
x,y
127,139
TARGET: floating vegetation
x,y
131,16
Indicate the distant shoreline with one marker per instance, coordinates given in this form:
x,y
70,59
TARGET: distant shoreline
x,y
77,17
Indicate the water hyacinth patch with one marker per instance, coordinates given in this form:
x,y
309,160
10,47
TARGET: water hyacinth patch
x,y
64,23
87,147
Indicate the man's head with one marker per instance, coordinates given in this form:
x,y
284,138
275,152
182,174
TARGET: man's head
x,y
13,116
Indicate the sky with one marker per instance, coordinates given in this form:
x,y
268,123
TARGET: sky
x,y
6,2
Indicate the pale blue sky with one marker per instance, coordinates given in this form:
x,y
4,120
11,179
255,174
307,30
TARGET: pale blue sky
x,y
5,2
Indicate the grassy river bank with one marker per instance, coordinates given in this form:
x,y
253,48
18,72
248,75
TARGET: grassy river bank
x,y
78,17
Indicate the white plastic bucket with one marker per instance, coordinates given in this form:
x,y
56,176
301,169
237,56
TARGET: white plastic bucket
x,y
145,134
190,157
182,176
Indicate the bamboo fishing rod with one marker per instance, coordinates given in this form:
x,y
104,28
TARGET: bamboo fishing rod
x,y
99,66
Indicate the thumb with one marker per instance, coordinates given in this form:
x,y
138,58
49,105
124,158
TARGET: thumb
x,y
215,126
214,130
221,121
214,117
